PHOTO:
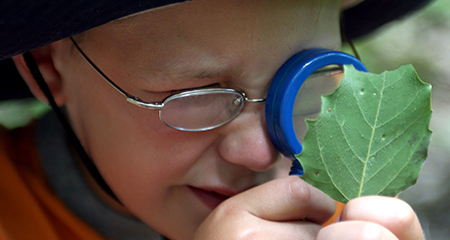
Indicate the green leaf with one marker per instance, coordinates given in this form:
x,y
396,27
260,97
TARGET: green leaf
x,y
371,137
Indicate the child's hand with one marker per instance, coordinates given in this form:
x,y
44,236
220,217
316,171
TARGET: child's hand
x,y
375,218
288,208
274,210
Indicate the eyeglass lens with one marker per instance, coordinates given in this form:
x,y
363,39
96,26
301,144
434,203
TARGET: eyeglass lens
x,y
201,111
207,110
308,101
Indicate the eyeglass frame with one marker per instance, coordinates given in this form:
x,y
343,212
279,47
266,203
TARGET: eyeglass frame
x,y
160,105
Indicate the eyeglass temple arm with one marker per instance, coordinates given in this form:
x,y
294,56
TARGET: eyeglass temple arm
x,y
130,98
139,103
254,99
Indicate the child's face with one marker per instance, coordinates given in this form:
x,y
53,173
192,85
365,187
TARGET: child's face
x,y
171,179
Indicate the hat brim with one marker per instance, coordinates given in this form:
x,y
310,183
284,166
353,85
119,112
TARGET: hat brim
x,y
372,14
30,24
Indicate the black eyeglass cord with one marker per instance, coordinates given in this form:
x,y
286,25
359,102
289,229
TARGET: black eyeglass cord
x,y
85,159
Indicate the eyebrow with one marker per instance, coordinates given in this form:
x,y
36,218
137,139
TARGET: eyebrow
x,y
207,73
203,69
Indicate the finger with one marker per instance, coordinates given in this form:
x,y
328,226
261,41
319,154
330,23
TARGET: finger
x,y
284,230
355,230
286,199
392,213
251,227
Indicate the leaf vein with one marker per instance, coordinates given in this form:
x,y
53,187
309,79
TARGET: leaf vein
x,y
395,116
407,163
325,165
361,110
398,79
371,138
349,147
386,163
412,123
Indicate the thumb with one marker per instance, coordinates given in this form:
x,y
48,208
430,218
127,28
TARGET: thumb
x,y
286,199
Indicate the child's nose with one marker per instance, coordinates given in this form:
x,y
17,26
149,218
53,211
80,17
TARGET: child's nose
x,y
246,140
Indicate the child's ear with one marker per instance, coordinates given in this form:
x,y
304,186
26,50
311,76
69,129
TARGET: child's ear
x,y
45,63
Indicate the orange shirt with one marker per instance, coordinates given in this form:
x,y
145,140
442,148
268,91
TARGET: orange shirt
x,y
28,208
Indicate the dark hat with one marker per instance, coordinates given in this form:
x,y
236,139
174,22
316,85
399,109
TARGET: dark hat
x,y
29,24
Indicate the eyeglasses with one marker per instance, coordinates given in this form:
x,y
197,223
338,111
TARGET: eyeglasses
x,y
204,109
191,110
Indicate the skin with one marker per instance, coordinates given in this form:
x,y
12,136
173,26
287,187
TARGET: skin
x,y
151,167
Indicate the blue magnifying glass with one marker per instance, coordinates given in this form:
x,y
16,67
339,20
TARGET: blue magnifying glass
x,y
295,94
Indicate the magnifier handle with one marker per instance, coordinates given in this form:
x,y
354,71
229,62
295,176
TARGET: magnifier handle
x,y
296,169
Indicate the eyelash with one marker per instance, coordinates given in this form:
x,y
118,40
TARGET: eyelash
x,y
217,85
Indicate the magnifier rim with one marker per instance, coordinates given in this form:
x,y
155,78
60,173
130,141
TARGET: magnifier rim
x,y
284,88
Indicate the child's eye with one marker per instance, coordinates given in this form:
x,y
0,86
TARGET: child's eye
x,y
215,85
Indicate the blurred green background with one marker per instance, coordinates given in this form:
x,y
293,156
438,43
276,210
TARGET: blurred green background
x,y
421,39
17,113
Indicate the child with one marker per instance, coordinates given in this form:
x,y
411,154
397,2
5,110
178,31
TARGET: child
x,y
154,179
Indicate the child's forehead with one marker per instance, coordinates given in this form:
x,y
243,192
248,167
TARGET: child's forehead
x,y
183,35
